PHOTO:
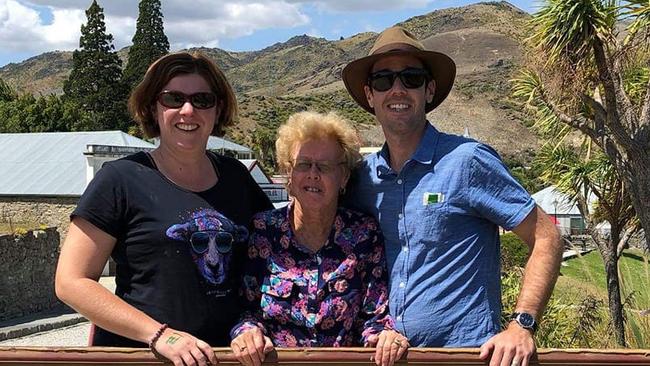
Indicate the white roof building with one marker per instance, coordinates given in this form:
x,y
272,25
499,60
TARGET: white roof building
x,y
256,171
223,146
53,163
554,202
565,214
275,191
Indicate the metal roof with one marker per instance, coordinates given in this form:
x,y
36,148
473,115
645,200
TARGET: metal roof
x,y
554,202
256,172
216,143
51,163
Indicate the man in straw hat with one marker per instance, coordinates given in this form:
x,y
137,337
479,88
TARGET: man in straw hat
x,y
440,200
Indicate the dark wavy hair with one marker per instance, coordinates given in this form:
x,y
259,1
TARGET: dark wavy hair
x,y
143,99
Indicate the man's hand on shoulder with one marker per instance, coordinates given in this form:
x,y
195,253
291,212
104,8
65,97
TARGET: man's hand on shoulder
x,y
514,346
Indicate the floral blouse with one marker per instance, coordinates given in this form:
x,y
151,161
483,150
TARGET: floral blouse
x,y
335,297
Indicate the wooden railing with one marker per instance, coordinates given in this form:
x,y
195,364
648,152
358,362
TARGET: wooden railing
x,y
318,356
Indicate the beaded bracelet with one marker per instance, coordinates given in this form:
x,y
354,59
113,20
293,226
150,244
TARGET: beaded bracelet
x,y
156,336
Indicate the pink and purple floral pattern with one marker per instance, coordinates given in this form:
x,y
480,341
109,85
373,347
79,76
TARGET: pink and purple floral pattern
x,y
335,297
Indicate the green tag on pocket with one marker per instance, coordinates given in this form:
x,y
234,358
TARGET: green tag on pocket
x,y
432,198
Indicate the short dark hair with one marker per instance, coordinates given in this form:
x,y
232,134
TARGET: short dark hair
x,y
143,99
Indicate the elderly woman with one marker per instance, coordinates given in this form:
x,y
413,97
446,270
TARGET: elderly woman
x,y
172,219
316,272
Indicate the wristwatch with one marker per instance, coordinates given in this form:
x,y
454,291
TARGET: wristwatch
x,y
525,320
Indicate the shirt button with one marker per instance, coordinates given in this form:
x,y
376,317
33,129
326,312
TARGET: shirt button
x,y
399,181
402,285
399,318
406,249
400,215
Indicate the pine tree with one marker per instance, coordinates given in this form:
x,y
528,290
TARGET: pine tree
x,y
7,93
149,41
95,82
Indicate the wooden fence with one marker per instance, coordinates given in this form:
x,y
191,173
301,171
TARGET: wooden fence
x,y
318,356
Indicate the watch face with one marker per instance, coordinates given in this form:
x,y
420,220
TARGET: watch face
x,y
526,320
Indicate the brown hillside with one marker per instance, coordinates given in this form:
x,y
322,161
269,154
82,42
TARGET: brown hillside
x,y
42,74
304,73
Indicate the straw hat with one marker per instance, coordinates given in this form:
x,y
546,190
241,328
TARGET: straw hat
x,y
399,41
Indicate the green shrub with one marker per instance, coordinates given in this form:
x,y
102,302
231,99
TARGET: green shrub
x,y
558,326
514,252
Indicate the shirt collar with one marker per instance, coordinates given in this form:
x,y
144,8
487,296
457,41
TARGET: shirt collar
x,y
427,147
423,154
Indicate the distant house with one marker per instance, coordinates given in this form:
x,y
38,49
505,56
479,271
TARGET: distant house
x,y
42,175
275,191
225,147
367,150
52,164
564,213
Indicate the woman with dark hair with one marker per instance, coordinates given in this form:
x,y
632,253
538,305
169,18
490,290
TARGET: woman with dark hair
x,y
173,220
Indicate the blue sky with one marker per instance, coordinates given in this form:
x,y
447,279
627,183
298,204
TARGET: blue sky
x,y
29,28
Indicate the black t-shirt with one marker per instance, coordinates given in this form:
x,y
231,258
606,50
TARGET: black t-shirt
x,y
163,266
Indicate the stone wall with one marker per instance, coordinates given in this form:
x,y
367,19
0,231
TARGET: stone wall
x,y
43,211
27,267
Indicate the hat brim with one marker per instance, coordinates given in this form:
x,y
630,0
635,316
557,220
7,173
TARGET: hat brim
x,y
441,67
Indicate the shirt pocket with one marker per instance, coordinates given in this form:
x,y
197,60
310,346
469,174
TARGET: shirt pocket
x,y
430,222
276,298
276,286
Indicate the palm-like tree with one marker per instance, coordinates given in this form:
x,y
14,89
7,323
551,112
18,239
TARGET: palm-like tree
x,y
583,175
585,75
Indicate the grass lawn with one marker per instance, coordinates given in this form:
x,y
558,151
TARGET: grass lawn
x,y
586,274
583,276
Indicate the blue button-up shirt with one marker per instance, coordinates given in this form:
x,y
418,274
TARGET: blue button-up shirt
x,y
440,216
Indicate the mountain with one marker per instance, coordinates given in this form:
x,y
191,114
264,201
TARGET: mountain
x,y
42,74
304,73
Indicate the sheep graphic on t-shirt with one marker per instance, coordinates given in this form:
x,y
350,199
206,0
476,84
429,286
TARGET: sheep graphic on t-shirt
x,y
211,237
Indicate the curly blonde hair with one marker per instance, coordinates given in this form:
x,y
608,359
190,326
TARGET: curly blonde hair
x,y
303,126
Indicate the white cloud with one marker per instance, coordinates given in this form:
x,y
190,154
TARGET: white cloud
x,y
64,28
23,27
364,5
232,20
314,32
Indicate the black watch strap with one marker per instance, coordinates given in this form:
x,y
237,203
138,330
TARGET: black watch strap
x,y
525,320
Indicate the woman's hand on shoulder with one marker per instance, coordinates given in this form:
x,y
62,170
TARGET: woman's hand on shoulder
x,y
390,347
251,346
183,349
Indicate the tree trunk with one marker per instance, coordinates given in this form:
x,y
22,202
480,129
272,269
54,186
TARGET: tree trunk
x,y
607,249
637,182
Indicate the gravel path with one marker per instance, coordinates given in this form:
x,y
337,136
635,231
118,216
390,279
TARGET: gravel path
x,y
72,336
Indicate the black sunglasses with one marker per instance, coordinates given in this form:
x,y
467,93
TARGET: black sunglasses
x,y
222,240
411,78
176,99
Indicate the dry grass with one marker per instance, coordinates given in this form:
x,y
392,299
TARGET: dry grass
x,y
17,227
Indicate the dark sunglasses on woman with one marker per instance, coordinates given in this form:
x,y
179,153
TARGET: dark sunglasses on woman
x,y
176,99
222,240
411,78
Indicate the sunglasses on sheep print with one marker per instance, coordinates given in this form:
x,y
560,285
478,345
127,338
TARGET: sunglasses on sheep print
x,y
222,240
